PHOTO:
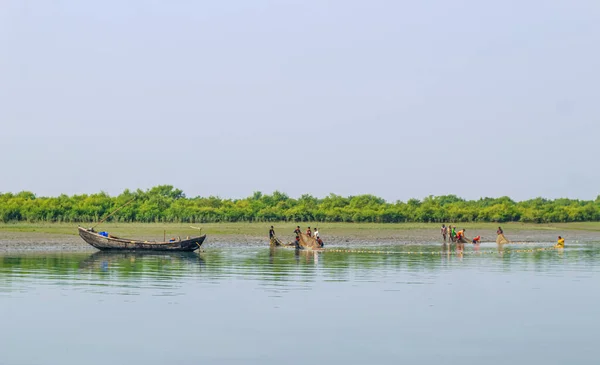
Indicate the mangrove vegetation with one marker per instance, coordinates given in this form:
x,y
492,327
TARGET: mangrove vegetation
x,y
167,204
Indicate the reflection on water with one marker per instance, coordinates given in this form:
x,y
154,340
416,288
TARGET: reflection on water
x,y
251,305
277,267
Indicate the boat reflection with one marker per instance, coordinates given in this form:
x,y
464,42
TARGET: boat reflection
x,y
141,261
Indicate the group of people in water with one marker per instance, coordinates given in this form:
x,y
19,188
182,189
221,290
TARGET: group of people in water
x,y
449,234
298,232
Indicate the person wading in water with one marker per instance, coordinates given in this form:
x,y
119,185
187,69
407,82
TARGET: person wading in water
x,y
271,233
318,237
459,236
444,232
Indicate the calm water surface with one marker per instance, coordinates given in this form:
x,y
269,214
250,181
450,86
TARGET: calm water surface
x,y
258,306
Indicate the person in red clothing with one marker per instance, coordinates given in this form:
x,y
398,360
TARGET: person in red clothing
x,y
459,236
476,242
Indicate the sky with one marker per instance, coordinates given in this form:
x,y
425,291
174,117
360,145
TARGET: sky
x,y
400,99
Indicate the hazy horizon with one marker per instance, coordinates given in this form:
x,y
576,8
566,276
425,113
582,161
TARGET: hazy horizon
x,y
396,99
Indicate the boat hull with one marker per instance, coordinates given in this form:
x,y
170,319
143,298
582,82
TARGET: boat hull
x,y
123,244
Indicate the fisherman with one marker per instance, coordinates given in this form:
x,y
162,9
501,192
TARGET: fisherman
x,y
297,230
297,242
444,232
271,233
317,233
477,240
320,242
560,243
308,232
459,236
453,233
499,231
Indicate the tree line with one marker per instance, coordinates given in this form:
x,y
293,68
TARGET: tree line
x,y
167,204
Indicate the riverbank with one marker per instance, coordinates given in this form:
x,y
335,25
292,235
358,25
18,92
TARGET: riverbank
x,y
62,236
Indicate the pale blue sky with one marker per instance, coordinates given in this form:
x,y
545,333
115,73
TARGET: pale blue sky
x,y
399,99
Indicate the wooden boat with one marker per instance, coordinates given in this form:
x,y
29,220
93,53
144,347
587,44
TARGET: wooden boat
x,y
115,243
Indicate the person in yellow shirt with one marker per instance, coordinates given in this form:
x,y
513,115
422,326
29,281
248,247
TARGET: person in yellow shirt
x,y
560,243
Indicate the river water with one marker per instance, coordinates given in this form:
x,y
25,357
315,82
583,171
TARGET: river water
x,y
254,305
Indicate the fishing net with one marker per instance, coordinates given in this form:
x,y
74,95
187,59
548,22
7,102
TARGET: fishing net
x,y
277,242
463,239
308,242
501,239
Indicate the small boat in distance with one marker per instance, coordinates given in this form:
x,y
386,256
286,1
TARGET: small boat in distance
x,y
110,242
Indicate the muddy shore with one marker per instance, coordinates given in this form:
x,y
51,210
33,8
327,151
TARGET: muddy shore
x,y
39,241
